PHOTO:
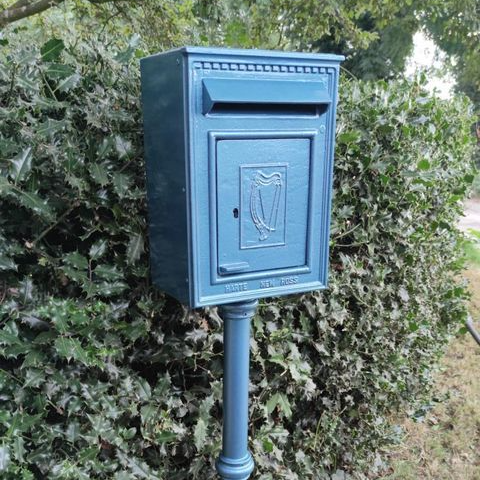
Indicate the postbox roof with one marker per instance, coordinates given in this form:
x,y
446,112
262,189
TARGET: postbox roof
x,y
257,53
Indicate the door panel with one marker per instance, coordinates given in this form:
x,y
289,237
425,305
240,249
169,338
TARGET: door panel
x,y
262,203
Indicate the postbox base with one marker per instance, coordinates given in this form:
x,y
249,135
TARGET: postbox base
x,y
235,468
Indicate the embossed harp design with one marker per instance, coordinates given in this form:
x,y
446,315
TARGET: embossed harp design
x,y
264,211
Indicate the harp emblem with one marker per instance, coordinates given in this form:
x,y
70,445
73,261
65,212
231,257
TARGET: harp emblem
x,y
265,194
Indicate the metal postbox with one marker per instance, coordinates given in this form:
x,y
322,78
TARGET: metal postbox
x,y
239,150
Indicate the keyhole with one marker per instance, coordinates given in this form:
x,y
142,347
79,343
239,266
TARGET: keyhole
x,y
235,212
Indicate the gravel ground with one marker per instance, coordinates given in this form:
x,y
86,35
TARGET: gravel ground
x,y
472,215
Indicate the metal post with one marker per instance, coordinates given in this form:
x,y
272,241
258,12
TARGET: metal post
x,y
472,330
235,461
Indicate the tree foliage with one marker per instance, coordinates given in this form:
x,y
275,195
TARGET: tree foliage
x,y
376,37
455,27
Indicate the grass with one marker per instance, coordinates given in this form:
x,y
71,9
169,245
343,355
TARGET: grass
x,y
446,445
472,253
471,247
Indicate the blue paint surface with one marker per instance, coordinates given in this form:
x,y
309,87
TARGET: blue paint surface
x,y
235,461
239,150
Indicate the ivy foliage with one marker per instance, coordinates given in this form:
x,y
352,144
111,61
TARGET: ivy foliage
x,y
102,377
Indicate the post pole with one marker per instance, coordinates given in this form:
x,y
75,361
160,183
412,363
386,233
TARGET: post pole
x,y
235,461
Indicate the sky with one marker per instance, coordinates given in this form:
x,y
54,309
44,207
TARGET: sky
x,y
426,55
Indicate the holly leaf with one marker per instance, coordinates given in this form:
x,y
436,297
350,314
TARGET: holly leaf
x,y
280,401
99,174
200,433
98,249
122,146
21,165
34,202
69,82
71,348
7,263
52,49
135,248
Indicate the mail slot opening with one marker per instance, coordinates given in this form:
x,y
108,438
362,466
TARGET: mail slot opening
x,y
248,108
260,96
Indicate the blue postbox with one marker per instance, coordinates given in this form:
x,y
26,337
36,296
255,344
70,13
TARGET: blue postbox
x,y
239,149
239,152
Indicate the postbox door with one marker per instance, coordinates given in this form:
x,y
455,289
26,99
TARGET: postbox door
x,y
262,206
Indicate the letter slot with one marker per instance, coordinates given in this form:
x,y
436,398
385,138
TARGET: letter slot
x,y
278,97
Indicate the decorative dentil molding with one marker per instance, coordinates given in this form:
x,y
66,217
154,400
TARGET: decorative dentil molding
x,y
262,67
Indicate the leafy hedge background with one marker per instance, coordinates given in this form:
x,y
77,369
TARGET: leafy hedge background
x,y
102,377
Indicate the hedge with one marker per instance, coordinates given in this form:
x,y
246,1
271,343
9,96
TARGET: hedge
x,y
103,377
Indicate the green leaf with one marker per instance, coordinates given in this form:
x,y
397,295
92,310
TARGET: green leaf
x,y
50,126
423,164
72,432
165,437
108,272
52,49
71,348
200,434
280,401
144,391
104,289
59,71
21,164
19,448
121,183
5,185
79,276
349,137
34,378
88,454
135,248
123,146
105,147
7,263
4,458
98,249
267,446
68,83
76,260
27,83
99,173
126,55
413,326
33,202
9,335
148,412
128,434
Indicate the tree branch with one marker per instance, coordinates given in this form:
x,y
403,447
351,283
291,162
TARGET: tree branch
x,y
26,8
23,9
19,3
